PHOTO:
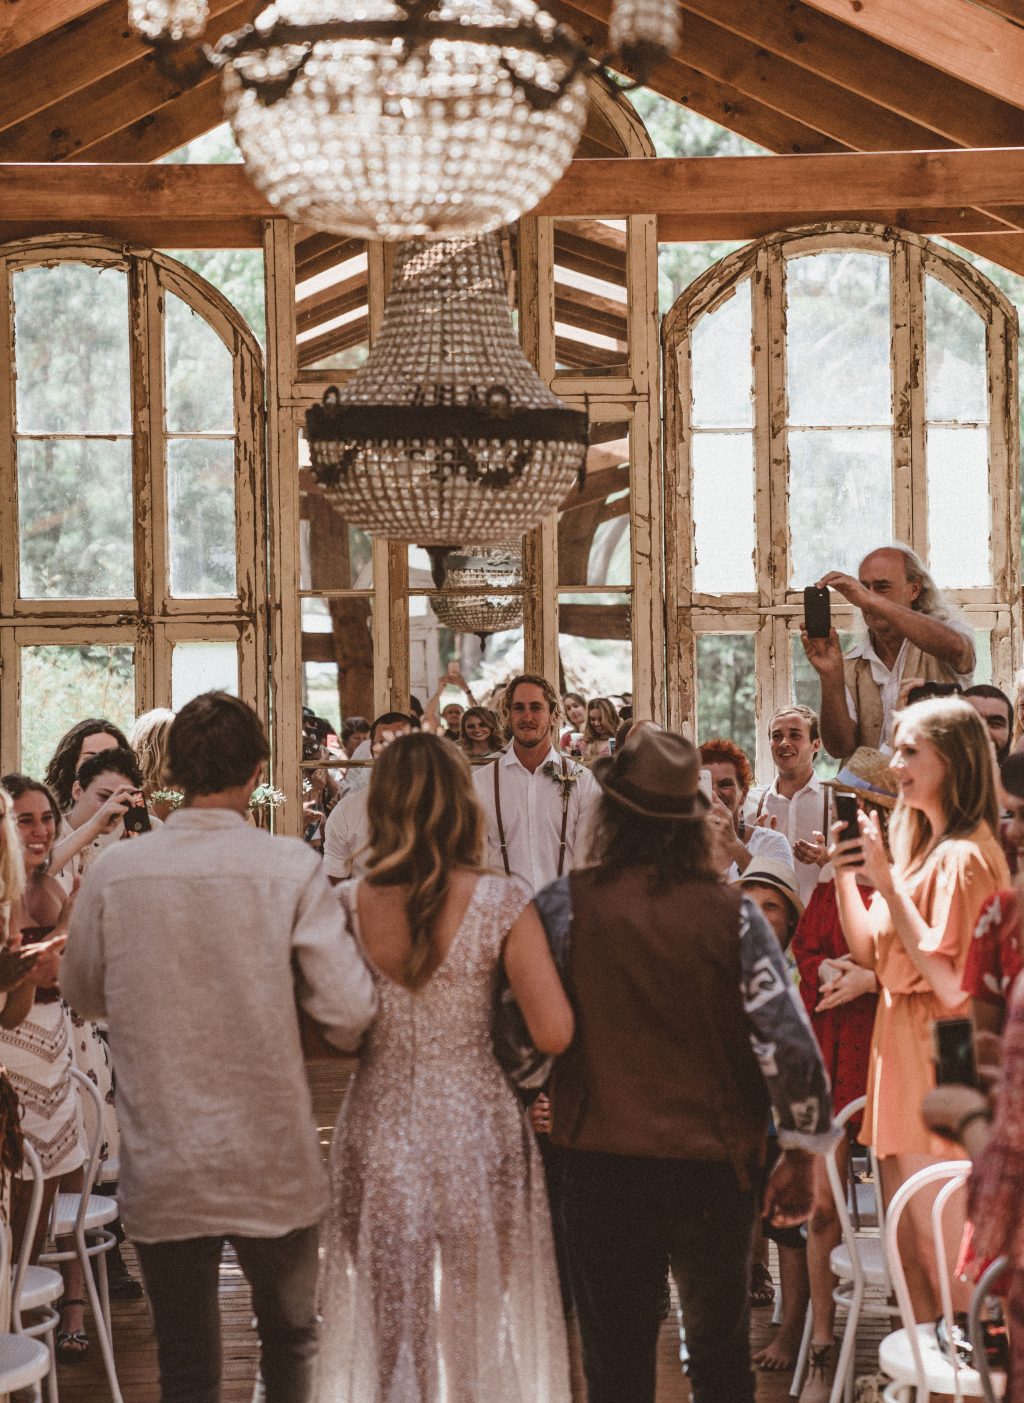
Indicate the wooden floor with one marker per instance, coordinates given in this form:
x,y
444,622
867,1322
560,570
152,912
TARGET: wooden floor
x,y
136,1350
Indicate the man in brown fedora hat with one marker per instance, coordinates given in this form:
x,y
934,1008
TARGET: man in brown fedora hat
x,y
686,1031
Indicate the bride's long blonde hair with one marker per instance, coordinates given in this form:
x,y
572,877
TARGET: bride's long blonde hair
x,y
425,821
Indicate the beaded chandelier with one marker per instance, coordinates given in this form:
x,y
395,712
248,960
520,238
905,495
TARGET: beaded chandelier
x,y
481,568
446,434
397,119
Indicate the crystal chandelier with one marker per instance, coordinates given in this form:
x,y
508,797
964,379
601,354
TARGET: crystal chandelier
x,y
446,434
480,568
402,119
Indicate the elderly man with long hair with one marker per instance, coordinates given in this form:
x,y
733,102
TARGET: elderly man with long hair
x,y
912,631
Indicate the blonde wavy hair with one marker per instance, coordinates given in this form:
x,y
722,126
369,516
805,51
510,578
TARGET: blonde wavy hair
x,y
425,822
968,793
12,869
508,693
149,741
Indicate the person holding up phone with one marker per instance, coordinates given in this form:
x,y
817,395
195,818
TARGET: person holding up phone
x,y
915,936
912,631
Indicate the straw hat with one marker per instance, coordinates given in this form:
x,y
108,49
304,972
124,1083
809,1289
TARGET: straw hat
x,y
656,774
769,872
868,775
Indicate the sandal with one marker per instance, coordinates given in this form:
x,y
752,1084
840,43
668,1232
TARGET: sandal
x,y
762,1287
71,1346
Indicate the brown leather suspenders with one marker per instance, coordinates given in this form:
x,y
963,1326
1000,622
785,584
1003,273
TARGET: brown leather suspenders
x,y
501,826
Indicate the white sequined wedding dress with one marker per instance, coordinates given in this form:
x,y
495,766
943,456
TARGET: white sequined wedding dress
x,y
439,1282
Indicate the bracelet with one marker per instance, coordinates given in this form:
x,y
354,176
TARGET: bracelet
x,y
979,1113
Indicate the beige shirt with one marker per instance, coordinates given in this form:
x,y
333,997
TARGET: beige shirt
x,y
194,943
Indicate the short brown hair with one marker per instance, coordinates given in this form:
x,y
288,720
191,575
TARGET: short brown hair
x,y
215,743
805,713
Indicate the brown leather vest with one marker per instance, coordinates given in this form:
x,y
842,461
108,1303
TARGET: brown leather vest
x,y
661,1063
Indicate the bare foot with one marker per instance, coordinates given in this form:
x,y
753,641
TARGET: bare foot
x,y
780,1355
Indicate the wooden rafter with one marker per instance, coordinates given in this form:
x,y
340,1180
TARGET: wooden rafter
x,y
955,36
582,255
22,24
330,302
315,253
181,120
343,338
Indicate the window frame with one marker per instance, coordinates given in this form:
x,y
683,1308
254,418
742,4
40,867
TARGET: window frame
x,y
773,610
153,620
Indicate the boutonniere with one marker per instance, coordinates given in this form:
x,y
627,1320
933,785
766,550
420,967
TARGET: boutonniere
x,y
265,797
174,797
565,779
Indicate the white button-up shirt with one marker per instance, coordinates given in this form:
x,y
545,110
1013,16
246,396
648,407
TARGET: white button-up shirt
x,y
194,943
890,680
799,819
347,836
531,814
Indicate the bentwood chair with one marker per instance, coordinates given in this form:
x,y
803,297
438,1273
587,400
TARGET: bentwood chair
x,y
35,1288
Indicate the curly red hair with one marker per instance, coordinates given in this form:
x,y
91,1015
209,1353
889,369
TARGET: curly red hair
x,y
721,751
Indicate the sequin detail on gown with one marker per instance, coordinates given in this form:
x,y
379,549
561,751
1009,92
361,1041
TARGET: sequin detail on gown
x,y
439,1281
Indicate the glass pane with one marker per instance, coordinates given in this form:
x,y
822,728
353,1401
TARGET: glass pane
x,y
333,555
202,667
723,512
593,525
71,339
337,657
959,513
722,367
807,689
838,338
61,684
595,644
199,394
957,380
725,688
591,298
982,655
75,518
485,664
840,499
201,516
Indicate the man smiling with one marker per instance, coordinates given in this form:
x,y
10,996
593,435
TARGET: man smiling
x,y
795,802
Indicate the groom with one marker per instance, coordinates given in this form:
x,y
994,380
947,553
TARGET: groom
x,y
193,944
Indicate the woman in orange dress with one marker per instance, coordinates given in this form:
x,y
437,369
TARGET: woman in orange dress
x,y
915,935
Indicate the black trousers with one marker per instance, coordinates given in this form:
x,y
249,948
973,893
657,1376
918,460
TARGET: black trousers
x,y
181,1279
628,1218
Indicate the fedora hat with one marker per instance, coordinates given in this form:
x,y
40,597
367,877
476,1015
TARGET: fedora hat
x,y
655,774
868,775
769,872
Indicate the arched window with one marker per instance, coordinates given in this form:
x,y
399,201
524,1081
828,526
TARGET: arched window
x,y
828,391
132,536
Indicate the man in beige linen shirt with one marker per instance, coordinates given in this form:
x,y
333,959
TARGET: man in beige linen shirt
x,y
193,942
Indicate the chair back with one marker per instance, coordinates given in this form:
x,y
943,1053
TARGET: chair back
x,y
92,1118
35,1169
986,1280
953,1176
840,1194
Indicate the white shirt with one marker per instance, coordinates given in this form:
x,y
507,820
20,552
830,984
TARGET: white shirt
x,y
194,944
765,842
890,680
799,819
531,813
358,777
347,835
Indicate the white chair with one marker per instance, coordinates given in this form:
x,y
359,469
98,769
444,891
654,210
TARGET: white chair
x,y
858,1262
911,1357
35,1288
981,1291
23,1361
84,1218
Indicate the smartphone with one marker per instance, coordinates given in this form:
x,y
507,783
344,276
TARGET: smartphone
x,y
136,819
817,612
953,1040
846,813
705,785
453,669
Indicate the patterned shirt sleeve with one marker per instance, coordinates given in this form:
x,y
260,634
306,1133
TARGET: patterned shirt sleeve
x,y
781,1036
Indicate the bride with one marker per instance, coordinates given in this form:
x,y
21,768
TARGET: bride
x,y
439,1279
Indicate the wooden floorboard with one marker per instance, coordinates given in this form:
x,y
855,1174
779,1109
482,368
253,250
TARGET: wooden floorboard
x,y
135,1348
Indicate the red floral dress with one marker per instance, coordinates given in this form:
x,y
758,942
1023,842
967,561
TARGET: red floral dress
x,y
995,957
843,1033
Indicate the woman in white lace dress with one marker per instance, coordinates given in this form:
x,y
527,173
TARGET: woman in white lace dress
x,y
439,1275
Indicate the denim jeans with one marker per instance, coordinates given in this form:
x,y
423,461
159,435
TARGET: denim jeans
x,y
627,1220
181,1279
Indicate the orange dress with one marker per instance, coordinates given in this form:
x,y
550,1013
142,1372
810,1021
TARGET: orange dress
x,y
948,890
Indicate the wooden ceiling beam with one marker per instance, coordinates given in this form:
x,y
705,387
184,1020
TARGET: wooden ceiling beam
x,y
569,351
956,37
316,255
330,302
707,228
151,137
785,187
24,23
581,256
863,65
1009,9
343,338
